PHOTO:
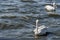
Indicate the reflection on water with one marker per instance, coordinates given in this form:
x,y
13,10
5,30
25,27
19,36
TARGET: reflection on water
x,y
17,19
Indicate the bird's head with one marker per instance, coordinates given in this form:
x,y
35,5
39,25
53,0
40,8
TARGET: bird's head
x,y
54,3
37,21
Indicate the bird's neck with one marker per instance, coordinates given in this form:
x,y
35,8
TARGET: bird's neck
x,y
37,26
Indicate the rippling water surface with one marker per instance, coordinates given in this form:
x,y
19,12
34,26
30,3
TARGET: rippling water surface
x,y
17,18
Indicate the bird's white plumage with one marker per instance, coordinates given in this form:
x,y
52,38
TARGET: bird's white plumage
x,y
51,7
48,7
38,30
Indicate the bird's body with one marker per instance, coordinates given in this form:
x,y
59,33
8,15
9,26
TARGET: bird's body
x,y
49,8
40,32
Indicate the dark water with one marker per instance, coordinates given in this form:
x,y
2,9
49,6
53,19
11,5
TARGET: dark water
x,y
17,19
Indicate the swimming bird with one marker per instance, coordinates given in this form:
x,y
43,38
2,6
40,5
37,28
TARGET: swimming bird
x,y
51,7
39,30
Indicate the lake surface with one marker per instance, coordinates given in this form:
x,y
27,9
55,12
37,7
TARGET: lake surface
x,y
17,19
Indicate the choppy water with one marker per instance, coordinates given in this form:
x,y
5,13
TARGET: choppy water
x,y
17,19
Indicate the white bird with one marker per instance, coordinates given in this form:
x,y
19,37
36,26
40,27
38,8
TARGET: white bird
x,y
51,7
38,30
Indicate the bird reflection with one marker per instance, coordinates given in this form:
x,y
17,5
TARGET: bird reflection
x,y
36,37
